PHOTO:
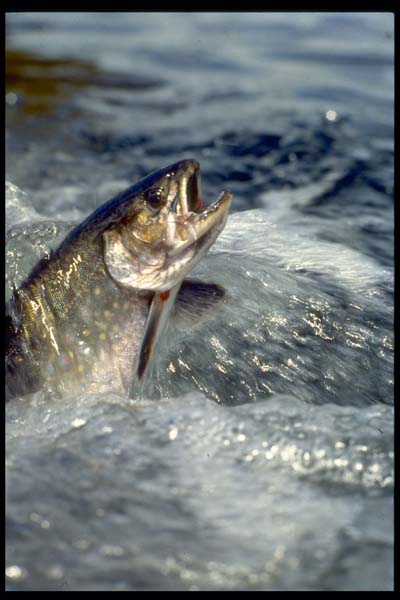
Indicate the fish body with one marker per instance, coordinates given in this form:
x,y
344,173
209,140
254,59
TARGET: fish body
x,y
89,317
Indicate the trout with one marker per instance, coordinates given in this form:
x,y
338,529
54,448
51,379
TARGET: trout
x,y
89,317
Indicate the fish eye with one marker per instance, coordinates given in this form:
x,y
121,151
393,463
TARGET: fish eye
x,y
154,197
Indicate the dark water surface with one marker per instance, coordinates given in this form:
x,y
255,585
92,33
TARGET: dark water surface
x,y
261,456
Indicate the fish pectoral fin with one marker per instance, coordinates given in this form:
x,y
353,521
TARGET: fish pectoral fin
x,y
189,302
196,301
160,310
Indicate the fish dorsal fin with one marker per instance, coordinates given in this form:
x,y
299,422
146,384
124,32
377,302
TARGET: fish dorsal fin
x,y
160,310
197,301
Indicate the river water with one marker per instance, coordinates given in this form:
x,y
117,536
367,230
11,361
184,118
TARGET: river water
x,y
260,454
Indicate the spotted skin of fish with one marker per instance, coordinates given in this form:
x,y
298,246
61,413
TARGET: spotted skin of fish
x,y
88,318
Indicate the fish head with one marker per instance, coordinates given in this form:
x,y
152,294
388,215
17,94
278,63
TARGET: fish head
x,y
163,230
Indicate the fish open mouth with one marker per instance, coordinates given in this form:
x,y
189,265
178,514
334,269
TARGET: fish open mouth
x,y
189,221
188,197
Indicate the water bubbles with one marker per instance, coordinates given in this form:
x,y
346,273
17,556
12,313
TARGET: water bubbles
x,y
341,462
375,468
320,453
331,115
173,434
269,454
55,572
106,429
77,423
11,98
15,573
36,518
111,551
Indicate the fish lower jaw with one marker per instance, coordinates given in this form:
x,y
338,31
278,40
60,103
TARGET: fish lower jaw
x,y
183,260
